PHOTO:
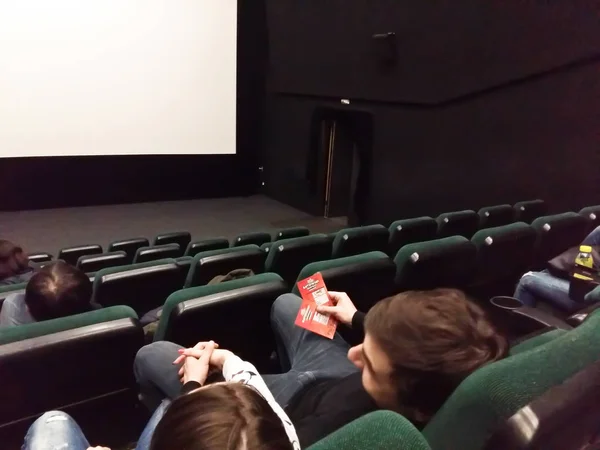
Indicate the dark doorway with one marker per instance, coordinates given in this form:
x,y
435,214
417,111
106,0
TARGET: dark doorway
x,y
339,165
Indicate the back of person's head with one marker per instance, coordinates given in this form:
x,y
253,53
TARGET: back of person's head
x,y
58,290
223,416
432,340
13,260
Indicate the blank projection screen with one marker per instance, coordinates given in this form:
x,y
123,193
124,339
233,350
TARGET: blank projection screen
x,y
117,77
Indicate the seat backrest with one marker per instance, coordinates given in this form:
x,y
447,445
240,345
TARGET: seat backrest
x,y
95,263
592,214
288,257
458,223
354,241
556,234
40,257
207,265
154,253
448,262
129,246
289,233
496,216
381,430
236,314
181,238
85,368
530,210
504,251
257,238
142,286
366,278
206,245
408,231
70,255
495,392
575,405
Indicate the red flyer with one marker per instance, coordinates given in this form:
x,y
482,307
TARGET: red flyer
x,y
314,293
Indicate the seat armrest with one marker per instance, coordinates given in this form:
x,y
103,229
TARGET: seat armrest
x,y
526,317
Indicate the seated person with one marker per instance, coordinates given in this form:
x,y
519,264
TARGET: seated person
x,y
546,287
56,290
239,413
417,348
15,267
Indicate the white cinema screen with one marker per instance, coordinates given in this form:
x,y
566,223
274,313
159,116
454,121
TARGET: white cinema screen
x,y
117,77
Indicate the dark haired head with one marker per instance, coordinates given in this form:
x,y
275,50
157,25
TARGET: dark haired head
x,y
222,416
58,290
13,260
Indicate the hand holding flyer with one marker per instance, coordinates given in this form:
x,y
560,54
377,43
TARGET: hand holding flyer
x,y
314,293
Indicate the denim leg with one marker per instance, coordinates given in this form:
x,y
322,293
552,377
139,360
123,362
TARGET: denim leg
x,y
55,430
146,437
308,356
155,373
541,286
593,238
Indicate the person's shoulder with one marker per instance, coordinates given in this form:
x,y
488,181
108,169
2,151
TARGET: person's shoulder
x,y
14,311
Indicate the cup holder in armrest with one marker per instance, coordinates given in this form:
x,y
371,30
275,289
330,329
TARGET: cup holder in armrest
x,y
505,302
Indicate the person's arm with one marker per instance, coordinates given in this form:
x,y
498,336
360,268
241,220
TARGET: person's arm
x,y
358,321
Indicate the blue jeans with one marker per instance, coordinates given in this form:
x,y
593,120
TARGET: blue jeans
x,y
56,430
307,357
543,286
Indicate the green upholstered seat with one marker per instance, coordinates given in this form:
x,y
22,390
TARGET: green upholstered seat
x,y
379,430
236,314
556,234
129,246
592,214
496,216
94,263
40,257
366,278
408,231
156,252
530,210
181,238
207,265
448,262
70,255
289,233
206,245
495,392
288,257
354,241
142,286
257,238
458,223
13,334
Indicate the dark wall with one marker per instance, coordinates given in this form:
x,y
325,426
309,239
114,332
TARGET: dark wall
x,y
28,183
488,102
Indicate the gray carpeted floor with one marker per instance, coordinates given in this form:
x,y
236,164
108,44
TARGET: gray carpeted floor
x,y
52,229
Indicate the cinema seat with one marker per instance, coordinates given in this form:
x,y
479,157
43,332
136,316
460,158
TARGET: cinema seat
x,y
94,263
70,255
40,257
267,246
496,216
289,233
448,262
503,255
236,314
181,238
366,278
530,210
258,239
208,265
408,231
141,286
492,394
592,213
287,257
206,245
556,234
458,223
354,241
129,246
81,365
154,253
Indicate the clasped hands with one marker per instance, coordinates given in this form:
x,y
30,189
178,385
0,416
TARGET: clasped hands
x,y
198,360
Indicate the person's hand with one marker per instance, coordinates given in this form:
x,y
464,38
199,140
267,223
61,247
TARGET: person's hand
x,y
195,351
196,369
217,358
343,309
